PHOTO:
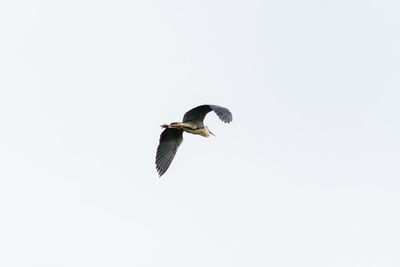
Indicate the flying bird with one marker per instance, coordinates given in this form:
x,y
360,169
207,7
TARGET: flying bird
x,y
172,137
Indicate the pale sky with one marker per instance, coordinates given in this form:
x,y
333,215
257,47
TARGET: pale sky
x,y
307,174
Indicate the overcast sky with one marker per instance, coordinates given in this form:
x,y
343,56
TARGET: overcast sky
x,y
307,174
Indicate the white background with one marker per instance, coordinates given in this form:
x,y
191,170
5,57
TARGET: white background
x,y
307,174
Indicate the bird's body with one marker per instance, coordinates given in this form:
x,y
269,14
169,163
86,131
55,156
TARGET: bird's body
x,y
172,136
189,128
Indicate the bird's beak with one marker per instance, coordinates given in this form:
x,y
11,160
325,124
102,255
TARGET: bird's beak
x,y
211,133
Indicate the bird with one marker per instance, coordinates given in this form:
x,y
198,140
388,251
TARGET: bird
x,y
192,122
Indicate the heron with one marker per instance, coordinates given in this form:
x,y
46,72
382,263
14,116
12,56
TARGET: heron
x,y
172,137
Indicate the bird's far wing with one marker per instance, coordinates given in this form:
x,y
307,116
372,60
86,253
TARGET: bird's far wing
x,y
170,140
197,114
223,113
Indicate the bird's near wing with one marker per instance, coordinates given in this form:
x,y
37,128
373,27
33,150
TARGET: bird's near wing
x,y
197,114
170,140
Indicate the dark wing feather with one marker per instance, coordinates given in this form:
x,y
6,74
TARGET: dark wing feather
x,y
223,113
170,140
197,114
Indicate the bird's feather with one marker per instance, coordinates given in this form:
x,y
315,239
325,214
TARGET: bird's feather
x,y
170,140
197,114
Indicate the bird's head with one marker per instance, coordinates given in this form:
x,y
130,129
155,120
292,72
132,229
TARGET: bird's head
x,y
208,132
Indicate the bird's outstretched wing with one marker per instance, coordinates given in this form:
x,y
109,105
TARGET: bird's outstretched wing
x,y
197,114
170,140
